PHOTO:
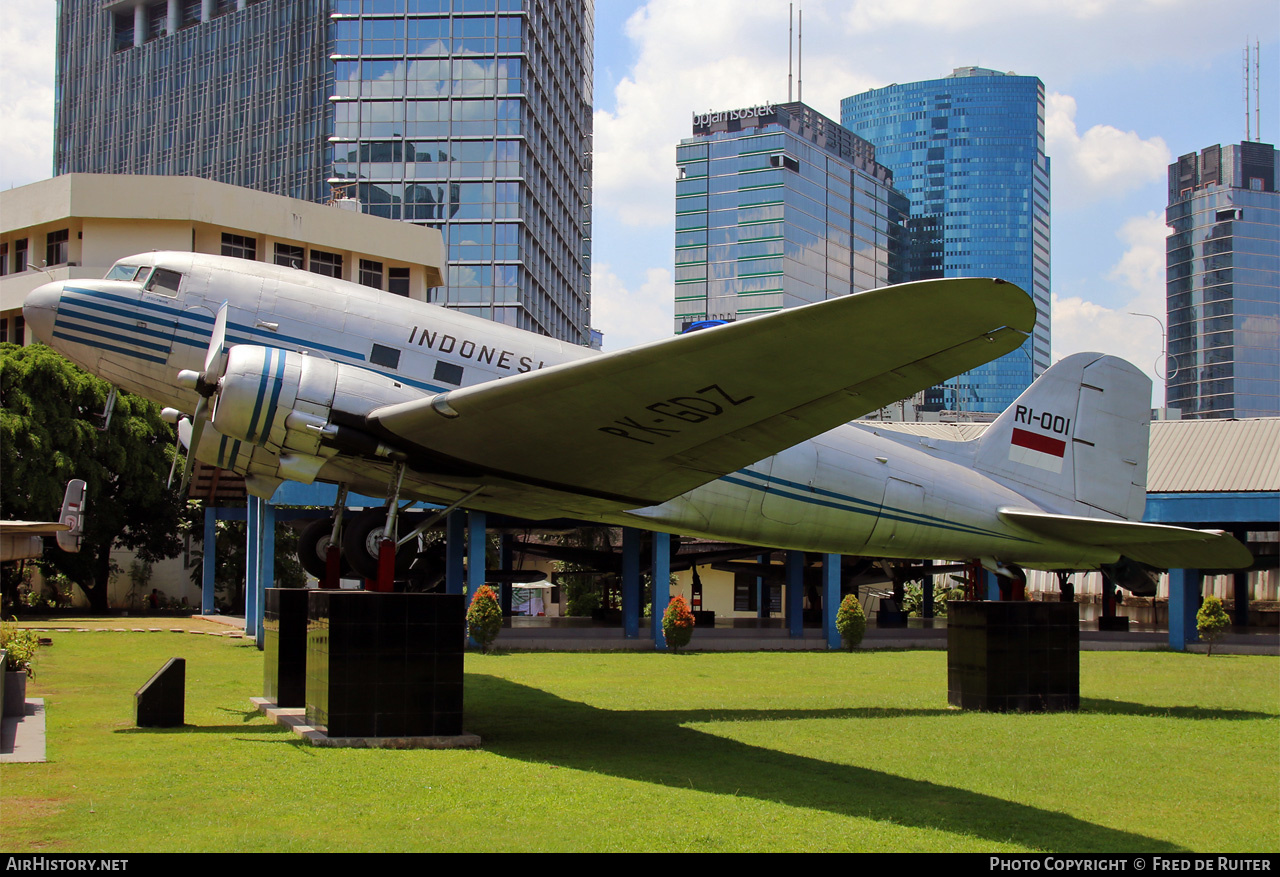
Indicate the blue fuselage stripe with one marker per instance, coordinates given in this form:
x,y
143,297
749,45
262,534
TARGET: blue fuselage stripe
x,y
846,503
74,325
91,342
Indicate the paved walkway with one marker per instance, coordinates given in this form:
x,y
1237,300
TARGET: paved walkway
x,y
22,737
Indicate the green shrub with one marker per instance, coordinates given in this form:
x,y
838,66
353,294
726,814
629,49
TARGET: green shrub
x,y
584,603
913,599
1212,621
677,623
851,622
20,644
484,618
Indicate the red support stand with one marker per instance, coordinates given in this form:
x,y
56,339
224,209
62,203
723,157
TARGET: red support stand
x,y
332,568
386,566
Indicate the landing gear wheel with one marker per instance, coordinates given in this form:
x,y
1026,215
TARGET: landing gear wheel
x,y
313,547
361,537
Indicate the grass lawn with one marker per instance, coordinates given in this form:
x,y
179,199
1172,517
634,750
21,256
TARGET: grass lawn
x,y
641,751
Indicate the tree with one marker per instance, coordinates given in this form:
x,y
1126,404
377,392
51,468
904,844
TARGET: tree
x,y
484,618
49,434
851,622
1212,621
677,623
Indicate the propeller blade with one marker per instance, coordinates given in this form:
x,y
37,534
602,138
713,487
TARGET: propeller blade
x,y
215,358
198,420
183,440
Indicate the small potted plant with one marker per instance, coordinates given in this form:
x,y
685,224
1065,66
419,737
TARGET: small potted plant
x,y
484,618
19,646
851,622
677,623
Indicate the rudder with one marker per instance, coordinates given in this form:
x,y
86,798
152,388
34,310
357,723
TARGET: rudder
x,y
1079,432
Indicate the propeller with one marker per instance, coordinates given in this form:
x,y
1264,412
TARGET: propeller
x,y
205,383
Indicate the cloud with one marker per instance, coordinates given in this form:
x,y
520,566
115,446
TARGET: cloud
x,y
1083,325
1103,162
728,53
630,317
26,101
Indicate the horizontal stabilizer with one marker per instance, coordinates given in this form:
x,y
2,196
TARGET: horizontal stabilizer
x,y
642,425
33,528
1158,545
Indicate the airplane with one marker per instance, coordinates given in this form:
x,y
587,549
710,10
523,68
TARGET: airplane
x,y
22,540
740,432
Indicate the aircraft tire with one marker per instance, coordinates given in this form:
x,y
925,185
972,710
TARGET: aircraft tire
x,y
313,545
360,537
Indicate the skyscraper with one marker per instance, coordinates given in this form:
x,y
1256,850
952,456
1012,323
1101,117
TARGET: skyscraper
x,y
968,150
1223,282
470,115
777,206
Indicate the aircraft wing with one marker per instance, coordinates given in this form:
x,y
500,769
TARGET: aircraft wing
x,y
1159,545
642,425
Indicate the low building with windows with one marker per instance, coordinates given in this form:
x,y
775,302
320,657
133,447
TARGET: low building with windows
x,y
78,225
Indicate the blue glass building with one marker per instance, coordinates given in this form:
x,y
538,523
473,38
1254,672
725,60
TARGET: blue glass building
x,y
777,206
1223,282
968,151
473,116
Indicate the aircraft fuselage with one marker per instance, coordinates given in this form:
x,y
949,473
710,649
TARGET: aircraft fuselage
x,y
856,489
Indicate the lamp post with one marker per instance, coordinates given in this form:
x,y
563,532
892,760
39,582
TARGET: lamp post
x,y
1162,369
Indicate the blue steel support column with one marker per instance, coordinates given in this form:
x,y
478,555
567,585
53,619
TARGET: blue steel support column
x,y
831,598
661,587
795,593
252,561
455,534
266,568
476,544
993,586
1184,602
210,560
630,582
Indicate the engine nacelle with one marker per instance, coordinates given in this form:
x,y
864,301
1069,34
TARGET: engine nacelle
x,y
283,401
1136,578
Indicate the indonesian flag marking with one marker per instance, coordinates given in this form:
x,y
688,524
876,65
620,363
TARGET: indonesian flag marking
x,y
1041,451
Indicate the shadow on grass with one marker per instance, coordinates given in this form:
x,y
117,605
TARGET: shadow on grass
x,y
520,722
245,716
1125,708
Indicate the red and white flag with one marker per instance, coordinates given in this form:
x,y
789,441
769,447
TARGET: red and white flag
x,y
1034,449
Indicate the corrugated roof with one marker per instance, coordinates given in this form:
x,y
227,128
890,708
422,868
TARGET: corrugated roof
x,y
1214,455
1187,456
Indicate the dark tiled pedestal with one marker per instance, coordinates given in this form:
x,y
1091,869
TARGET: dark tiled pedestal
x,y
284,647
1004,656
385,665
161,702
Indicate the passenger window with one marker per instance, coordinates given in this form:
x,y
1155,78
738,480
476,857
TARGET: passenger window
x,y
164,281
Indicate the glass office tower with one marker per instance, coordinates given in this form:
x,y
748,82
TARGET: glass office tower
x,y
968,150
1223,282
237,95
473,116
777,206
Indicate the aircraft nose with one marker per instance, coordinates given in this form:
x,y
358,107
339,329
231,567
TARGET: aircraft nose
x,y
40,309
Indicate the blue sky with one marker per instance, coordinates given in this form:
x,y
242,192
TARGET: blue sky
x,y
1132,84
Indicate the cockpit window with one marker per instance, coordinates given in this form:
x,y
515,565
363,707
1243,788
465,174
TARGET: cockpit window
x,y
164,281
127,272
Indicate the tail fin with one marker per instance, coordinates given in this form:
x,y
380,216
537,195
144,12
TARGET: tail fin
x,y
1079,432
72,515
